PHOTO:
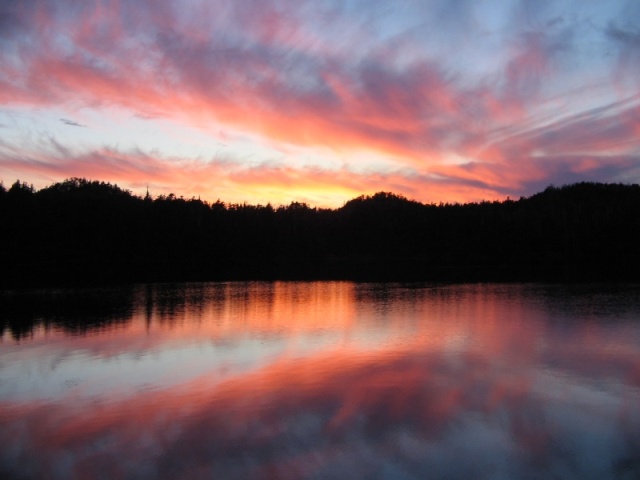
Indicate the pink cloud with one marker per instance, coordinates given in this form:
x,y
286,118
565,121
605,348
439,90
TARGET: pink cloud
x,y
232,181
267,70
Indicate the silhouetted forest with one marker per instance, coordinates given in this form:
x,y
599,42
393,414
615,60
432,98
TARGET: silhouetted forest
x,y
90,232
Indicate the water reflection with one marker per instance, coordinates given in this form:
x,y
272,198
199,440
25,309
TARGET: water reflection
x,y
323,380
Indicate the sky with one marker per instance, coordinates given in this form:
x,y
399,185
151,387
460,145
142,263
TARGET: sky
x,y
274,101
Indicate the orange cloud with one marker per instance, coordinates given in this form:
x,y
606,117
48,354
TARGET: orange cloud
x,y
271,71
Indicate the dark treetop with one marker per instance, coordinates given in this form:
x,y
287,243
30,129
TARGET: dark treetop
x,y
87,232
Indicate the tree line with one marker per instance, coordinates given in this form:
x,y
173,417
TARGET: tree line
x,y
81,232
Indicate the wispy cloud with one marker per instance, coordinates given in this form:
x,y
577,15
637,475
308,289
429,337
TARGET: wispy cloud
x,y
511,90
71,123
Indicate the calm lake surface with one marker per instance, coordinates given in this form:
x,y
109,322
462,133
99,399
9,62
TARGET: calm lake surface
x,y
325,380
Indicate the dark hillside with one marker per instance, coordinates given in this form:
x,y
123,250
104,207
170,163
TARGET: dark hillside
x,y
90,232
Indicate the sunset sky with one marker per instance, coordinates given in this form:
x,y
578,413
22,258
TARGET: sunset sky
x,y
321,101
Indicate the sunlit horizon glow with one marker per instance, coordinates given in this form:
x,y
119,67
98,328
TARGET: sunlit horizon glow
x,y
280,100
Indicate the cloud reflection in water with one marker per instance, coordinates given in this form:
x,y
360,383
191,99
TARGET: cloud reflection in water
x,y
516,393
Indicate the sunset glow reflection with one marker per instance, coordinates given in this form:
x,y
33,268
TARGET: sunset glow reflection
x,y
300,380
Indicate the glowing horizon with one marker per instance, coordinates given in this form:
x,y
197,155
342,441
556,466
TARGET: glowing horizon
x,y
320,102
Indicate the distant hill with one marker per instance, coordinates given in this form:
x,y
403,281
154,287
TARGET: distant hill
x,y
89,232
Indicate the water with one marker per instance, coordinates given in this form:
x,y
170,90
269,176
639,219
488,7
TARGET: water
x,y
320,381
